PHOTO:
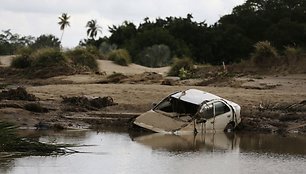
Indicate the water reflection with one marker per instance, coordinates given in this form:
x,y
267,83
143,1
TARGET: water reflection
x,y
127,152
269,143
260,143
185,143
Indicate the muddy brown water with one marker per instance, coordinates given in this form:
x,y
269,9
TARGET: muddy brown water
x,y
127,152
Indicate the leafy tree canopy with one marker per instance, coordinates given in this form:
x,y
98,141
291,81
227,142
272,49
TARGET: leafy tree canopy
x,y
281,22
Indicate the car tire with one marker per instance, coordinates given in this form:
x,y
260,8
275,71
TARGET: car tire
x,y
230,127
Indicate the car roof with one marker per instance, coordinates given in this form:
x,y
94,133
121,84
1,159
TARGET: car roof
x,y
195,96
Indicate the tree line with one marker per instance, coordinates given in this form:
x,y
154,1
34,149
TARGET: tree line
x,y
231,39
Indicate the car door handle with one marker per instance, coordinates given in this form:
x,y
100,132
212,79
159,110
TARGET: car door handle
x,y
229,116
212,122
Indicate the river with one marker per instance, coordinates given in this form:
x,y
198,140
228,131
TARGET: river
x,y
122,152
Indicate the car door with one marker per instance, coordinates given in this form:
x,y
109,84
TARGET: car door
x,y
222,115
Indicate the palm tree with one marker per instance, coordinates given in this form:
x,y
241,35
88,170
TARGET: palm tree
x,y
63,22
93,28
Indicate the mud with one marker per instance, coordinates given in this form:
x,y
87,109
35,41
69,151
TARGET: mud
x,y
270,103
85,112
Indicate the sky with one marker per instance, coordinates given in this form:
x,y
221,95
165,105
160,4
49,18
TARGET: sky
x,y
37,17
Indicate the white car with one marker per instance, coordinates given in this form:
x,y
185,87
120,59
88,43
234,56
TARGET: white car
x,y
191,111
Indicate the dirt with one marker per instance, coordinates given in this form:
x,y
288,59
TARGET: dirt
x,y
264,99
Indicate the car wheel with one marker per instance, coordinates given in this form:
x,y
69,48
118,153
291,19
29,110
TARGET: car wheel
x,y
229,127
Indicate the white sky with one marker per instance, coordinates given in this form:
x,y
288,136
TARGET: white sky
x,y
36,17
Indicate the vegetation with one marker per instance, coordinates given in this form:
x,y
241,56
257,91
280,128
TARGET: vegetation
x,y
46,41
270,32
181,67
48,57
155,56
93,29
105,48
10,142
83,57
43,63
48,62
11,42
264,55
231,39
21,61
120,57
63,23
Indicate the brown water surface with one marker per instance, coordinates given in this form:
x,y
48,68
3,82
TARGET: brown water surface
x,y
122,152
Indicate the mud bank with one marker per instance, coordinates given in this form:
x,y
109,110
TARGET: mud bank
x,y
45,107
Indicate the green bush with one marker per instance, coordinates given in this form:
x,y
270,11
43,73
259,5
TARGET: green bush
x,y
120,57
83,57
23,60
93,50
106,48
155,56
24,51
181,66
48,57
265,55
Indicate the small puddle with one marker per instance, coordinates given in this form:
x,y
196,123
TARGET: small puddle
x,y
123,152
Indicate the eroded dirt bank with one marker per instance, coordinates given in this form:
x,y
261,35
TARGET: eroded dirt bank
x,y
268,110
270,103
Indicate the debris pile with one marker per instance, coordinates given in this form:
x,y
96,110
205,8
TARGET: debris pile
x,y
17,94
146,78
89,103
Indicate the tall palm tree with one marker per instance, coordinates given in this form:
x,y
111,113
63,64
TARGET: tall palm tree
x,y
93,28
63,22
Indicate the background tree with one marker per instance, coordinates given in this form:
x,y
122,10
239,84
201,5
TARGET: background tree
x,y
63,23
11,42
231,39
46,41
93,29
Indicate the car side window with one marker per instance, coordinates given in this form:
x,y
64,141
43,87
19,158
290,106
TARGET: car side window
x,y
207,111
221,108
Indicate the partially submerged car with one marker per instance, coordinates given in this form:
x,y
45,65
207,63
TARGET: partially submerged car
x,y
191,111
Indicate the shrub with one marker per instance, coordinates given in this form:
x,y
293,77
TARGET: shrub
x,y
295,59
83,57
184,64
24,51
155,56
48,57
93,50
120,57
23,60
265,54
293,55
106,48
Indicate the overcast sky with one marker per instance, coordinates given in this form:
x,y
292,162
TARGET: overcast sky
x,y
36,17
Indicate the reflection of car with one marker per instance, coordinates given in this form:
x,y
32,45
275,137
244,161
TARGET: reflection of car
x,y
206,142
191,111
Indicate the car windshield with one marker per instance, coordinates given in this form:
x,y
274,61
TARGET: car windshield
x,y
174,105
